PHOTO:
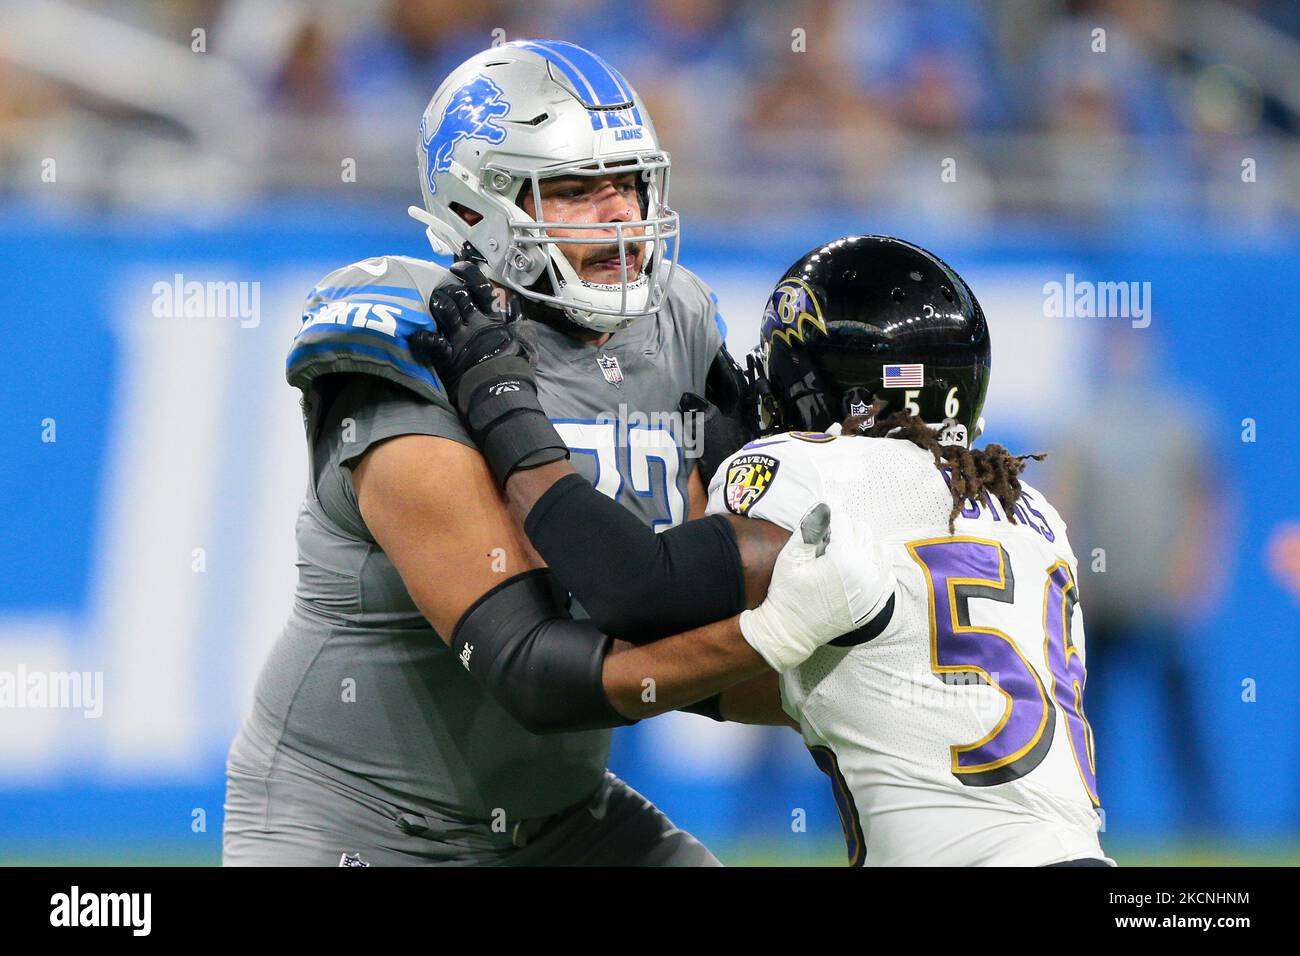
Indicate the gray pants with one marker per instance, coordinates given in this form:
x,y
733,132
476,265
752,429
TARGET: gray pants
x,y
299,820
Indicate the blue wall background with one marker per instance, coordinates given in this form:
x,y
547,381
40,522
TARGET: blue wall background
x,y
1229,330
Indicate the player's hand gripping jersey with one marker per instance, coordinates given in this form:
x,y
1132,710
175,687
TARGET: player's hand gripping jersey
x,y
957,736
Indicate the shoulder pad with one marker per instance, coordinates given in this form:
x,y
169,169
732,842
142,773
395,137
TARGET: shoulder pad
x,y
694,301
360,319
780,464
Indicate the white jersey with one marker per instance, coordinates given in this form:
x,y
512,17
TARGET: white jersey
x,y
957,736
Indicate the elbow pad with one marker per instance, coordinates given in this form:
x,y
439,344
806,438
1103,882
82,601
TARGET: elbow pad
x,y
634,583
544,668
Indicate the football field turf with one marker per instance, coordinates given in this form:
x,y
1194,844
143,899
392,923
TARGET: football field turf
x,y
1208,853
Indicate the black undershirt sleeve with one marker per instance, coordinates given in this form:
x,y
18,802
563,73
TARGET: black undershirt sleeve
x,y
636,584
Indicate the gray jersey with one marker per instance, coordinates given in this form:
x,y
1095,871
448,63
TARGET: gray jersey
x,y
615,405
359,688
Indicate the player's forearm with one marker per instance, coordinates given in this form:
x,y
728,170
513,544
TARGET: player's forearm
x,y
634,583
679,670
525,487
756,701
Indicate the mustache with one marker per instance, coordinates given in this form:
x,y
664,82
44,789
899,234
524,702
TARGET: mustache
x,y
611,251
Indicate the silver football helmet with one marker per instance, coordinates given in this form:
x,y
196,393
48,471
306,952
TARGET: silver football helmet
x,y
519,113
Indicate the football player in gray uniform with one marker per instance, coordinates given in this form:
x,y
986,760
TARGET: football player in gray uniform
x,y
431,699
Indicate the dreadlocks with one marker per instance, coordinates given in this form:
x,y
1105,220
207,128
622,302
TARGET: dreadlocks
x,y
973,473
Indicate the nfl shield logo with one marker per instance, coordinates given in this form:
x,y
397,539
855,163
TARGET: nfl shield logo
x,y
609,367
862,408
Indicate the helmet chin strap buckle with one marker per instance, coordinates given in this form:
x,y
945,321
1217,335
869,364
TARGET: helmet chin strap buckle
x,y
469,254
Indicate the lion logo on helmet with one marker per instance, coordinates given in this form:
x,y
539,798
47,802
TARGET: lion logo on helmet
x,y
471,113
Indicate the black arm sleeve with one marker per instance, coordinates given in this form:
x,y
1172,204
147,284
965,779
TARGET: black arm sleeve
x,y
634,583
544,668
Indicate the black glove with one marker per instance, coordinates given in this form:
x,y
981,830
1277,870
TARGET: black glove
x,y
484,368
717,436
728,415
469,330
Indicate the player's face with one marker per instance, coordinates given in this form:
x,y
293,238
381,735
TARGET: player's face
x,y
589,199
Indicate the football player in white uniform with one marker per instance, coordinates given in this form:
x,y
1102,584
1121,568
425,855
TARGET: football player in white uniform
x,y
958,734
952,725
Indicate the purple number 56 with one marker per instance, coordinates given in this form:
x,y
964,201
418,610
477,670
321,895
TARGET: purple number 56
x,y
959,570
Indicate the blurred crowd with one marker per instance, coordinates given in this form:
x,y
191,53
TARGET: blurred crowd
x,y
955,107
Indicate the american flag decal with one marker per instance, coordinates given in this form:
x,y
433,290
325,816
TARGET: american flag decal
x,y
904,376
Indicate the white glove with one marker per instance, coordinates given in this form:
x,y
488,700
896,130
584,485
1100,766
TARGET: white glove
x,y
821,588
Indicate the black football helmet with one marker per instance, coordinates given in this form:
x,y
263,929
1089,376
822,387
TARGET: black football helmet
x,y
868,318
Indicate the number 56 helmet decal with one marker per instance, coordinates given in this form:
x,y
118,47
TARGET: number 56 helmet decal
x,y
868,318
517,114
